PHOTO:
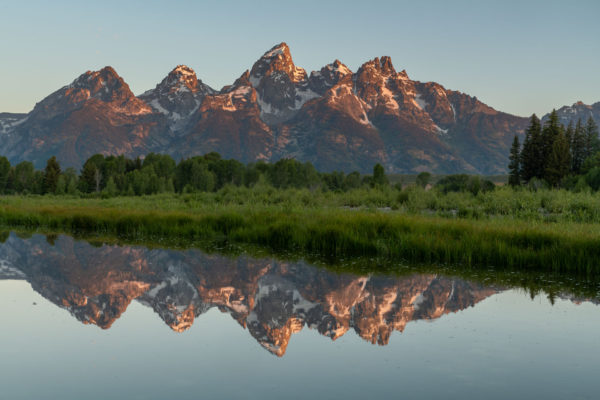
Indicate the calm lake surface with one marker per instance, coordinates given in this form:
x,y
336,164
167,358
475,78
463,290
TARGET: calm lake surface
x,y
100,322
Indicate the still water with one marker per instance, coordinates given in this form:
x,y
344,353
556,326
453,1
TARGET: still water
x,y
100,322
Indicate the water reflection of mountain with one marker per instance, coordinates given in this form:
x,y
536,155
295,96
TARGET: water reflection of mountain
x,y
271,299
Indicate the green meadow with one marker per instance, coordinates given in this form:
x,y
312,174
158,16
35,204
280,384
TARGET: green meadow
x,y
506,228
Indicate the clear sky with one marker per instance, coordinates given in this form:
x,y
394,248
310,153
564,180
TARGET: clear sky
x,y
517,56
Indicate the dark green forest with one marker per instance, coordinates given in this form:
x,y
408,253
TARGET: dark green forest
x,y
557,156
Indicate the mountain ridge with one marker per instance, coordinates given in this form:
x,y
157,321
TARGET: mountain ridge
x,y
335,118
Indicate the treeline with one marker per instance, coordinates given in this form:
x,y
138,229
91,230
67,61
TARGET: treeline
x,y
556,155
157,173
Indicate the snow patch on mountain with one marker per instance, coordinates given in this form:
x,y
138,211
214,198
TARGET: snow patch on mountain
x,y
341,68
422,104
156,105
304,95
8,123
440,130
388,96
279,50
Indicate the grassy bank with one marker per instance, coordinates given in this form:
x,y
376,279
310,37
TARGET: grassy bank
x,y
327,227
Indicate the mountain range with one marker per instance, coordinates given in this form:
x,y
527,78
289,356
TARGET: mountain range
x,y
335,118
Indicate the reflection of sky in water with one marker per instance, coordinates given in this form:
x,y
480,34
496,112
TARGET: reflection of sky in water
x,y
507,346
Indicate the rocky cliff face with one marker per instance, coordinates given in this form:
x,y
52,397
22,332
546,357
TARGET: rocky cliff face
x,y
333,117
272,300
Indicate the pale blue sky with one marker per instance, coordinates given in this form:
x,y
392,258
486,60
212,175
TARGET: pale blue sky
x,y
517,56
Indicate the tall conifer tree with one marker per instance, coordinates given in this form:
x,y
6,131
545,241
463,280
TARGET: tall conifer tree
x,y
531,154
559,162
514,178
570,133
552,128
51,175
591,138
578,148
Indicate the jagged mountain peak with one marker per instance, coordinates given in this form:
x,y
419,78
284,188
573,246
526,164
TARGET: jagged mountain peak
x,y
183,70
102,84
181,79
275,61
281,87
178,95
336,68
243,80
279,49
105,73
381,66
328,76
337,65
403,75
184,75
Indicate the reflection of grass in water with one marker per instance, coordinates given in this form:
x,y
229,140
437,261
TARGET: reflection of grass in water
x,y
329,232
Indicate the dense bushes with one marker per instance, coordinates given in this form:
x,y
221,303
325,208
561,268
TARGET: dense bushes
x,y
464,183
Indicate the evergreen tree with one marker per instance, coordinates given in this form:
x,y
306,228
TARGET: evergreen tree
x,y
578,148
51,175
559,162
552,128
570,134
514,178
531,154
592,144
4,170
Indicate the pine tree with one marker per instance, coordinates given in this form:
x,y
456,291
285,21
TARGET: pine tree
x,y
4,170
552,128
514,178
592,144
578,148
570,134
559,162
51,175
531,153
